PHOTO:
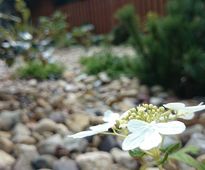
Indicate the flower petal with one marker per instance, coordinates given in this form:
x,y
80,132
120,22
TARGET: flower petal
x,y
83,134
174,106
193,108
170,128
102,127
109,116
137,125
187,116
134,140
151,141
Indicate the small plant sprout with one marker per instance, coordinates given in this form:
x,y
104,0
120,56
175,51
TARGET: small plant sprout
x,y
143,129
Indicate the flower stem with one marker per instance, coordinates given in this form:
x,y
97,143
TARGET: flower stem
x,y
114,134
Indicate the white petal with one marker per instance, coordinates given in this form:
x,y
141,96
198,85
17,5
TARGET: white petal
x,y
109,116
194,108
83,134
151,141
134,140
137,125
174,106
170,128
102,127
188,116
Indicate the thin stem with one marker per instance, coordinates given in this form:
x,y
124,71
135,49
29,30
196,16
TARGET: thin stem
x,y
114,134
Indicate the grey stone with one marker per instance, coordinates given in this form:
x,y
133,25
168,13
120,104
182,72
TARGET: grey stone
x,y
123,158
49,145
65,164
43,161
197,140
21,129
107,143
94,161
72,144
104,77
185,136
6,160
8,119
45,125
6,145
26,153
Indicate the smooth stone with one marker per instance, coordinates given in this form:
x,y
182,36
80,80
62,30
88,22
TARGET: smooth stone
x,y
27,153
6,145
71,88
197,140
72,144
65,164
104,77
62,130
6,160
49,145
43,161
24,139
21,129
185,136
45,125
94,161
107,143
57,117
8,119
78,122
123,158
169,140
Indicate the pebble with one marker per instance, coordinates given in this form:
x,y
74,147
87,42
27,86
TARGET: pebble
x,y
8,119
45,125
65,164
49,145
94,161
6,145
123,158
6,160
197,140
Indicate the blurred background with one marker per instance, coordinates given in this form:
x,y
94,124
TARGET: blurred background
x,y
63,63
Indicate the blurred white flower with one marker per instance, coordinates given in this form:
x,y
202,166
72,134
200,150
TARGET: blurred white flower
x,y
186,112
109,117
148,135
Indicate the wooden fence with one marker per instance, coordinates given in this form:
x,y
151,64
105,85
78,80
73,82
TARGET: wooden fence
x,y
100,13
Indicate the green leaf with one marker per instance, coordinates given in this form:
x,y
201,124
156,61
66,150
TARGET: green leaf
x,y
136,153
168,150
171,148
183,156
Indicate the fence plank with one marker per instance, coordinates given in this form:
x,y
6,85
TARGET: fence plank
x,y
100,13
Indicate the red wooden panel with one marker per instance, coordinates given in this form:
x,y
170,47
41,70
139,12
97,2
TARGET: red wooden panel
x,y
100,13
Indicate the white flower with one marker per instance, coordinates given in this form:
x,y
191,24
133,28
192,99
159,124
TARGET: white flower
x,y
148,135
110,119
187,112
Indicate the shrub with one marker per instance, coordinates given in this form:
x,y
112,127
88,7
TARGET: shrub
x,y
20,37
39,70
110,63
172,51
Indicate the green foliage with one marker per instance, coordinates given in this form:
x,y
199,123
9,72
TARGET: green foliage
x,y
167,151
112,64
120,34
183,155
54,27
39,70
171,51
22,38
136,153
